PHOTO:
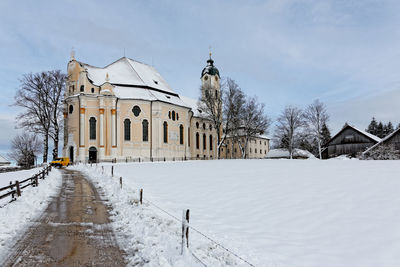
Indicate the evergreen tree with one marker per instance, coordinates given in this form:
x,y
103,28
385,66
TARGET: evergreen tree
x,y
388,129
326,134
373,127
379,130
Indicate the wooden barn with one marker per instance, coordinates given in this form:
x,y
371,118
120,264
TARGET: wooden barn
x,y
392,139
349,141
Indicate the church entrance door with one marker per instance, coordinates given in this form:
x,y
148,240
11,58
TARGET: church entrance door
x,y
92,154
71,154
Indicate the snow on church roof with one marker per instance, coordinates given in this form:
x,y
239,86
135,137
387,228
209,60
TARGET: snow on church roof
x,y
127,71
193,104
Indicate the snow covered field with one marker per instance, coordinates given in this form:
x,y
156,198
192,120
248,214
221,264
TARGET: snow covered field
x,y
6,177
17,215
270,212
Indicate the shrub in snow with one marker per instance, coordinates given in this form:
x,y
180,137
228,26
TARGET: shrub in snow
x,y
382,152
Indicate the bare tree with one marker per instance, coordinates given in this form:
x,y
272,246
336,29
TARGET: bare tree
x,y
33,97
56,98
233,105
250,122
316,116
210,103
288,125
24,149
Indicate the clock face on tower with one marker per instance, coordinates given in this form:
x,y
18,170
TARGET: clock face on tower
x,y
206,77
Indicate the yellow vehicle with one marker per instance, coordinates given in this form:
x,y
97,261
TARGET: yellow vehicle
x,y
60,162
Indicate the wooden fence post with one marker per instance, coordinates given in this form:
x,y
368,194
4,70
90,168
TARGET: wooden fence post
x,y
36,180
18,189
185,230
112,170
12,195
120,181
141,197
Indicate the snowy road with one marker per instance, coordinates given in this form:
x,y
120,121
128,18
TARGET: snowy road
x,y
73,231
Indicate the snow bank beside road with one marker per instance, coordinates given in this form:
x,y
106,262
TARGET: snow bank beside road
x,y
146,233
17,215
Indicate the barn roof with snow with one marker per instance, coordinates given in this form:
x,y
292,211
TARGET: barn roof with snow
x,y
393,138
4,161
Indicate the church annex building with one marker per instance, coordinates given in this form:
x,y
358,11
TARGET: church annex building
x,y
127,111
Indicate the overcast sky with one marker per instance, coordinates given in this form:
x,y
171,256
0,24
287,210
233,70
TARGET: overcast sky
x,y
345,53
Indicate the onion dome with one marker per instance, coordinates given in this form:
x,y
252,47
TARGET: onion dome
x,y
210,69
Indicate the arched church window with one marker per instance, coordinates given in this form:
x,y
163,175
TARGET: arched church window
x,y
145,130
136,110
127,129
71,109
181,134
165,132
82,88
204,142
92,90
197,141
189,136
92,128
211,142
173,115
197,125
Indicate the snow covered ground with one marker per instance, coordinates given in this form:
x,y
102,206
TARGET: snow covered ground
x,y
270,212
6,177
17,215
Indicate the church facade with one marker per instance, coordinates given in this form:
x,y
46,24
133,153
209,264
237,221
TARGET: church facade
x,y
126,110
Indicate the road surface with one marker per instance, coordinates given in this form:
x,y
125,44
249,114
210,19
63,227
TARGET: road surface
x,y
74,230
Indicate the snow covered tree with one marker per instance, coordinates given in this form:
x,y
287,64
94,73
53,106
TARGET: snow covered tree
x,y
379,130
388,129
326,134
372,127
316,116
383,152
289,124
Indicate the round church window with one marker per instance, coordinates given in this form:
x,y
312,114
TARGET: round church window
x,y
136,110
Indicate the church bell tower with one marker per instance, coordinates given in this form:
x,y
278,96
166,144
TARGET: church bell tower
x,y
210,80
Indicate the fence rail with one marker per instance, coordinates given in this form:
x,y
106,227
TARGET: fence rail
x,y
16,187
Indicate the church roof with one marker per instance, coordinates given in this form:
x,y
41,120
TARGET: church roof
x,y
128,72
193,104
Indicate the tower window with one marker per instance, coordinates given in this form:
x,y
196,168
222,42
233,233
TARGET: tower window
x,y
197,141
211,142
71,109
206,77
197,125
204,142
92,90
82,88
204,126
173,115
145,130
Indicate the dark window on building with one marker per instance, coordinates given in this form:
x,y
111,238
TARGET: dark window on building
x,y
265,143
204,142
189,136
197,125
71,109
127,129
204,126
197,141
92,90
173,115
177,116
92,127
169,114
211,142
255,150
136,110
181,134
82,88
250,150
235,150
165,132
210,127
228,150
145,133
